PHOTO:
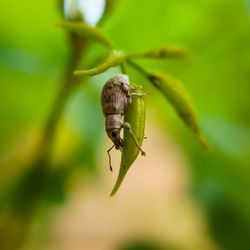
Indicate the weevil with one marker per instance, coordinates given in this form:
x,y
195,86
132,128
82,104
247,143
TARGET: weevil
x,y
116,98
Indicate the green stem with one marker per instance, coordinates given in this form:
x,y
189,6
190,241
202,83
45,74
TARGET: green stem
x,y
138,68
136,55
27,193
123,70
69,82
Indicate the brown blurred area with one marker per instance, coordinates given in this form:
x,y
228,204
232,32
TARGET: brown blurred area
x,y
153,203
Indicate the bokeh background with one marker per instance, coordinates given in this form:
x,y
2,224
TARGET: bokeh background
x,y
179,196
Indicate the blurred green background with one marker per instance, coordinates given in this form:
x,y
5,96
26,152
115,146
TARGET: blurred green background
x,y
33,57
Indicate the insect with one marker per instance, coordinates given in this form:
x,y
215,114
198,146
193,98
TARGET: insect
x,y
116,98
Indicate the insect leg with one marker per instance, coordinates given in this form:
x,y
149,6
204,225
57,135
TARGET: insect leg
x,y
110,167
126,125
134,87
139,94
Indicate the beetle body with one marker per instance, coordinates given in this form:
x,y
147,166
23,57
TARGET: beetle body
x,y
116,99
116,95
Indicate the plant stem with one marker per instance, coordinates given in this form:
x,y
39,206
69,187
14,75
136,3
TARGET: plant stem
x,y
69,82
138,68
28,191
123,70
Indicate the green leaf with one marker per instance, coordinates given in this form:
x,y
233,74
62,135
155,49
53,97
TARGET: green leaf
x,y
179,98
86,31
135,116
173,51
114,58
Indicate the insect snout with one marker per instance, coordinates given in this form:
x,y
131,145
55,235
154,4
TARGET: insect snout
x,y
117,140
119,143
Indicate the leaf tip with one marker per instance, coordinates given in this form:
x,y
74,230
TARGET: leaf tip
x,y
79,72
115,189
112,193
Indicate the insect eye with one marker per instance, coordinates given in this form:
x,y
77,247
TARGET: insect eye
x,y
114,134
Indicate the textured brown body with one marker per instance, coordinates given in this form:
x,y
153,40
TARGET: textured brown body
x,y
116,98
116,95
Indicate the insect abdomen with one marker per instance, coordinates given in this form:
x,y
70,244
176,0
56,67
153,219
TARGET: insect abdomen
x,y
115,98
